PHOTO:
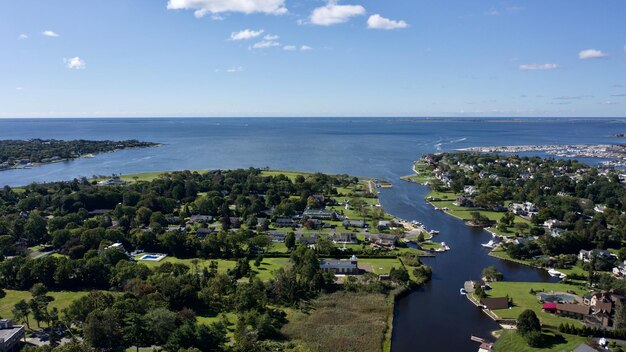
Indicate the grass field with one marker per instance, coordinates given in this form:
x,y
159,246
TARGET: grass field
x,y
342,322
62,300
381,265
555,342
522,300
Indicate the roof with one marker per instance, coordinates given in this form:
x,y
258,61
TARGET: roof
x,y
338,264
604,306
549,305
495,303
573,308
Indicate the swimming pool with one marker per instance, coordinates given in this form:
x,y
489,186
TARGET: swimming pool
x,y
155,257
557,297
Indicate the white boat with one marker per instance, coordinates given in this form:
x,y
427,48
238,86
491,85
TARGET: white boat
x,y
462,291
433,232
489,244
445,246
555,273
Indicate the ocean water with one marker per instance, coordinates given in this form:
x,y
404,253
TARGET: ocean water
x,y
433,317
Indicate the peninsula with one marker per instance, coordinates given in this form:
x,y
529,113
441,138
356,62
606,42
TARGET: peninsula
x,y
213,260
614,153
33,152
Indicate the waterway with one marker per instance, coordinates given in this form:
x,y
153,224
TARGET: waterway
x,y
435,317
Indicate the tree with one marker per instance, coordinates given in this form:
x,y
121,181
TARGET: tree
x,y
20,311
490,273
620,317
399,275
527,322
103,330
420,237
137,331
290,240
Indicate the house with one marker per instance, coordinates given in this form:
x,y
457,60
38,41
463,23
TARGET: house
x,y
97,212
383,225
112,181
382,239
470,190
285,222
555,232
598,253
572,310
320,214
553,223
463,201
600,208
519,241
203,231
360,224
175,228
10,335
620,270
311,240
115,245
493,303
203,219
172,220
315,224
344,238
341,267
276,236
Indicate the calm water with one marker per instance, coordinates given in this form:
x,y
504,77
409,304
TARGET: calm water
x,y
434,317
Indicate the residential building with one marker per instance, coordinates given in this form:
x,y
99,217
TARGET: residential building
x,y
10,335
344,238
341,267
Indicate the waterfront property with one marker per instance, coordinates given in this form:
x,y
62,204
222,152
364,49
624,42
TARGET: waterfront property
x,y
341,267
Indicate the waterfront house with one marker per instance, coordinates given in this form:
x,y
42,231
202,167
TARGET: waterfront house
x,y
383,225
572,310
598,253
493,303
463,201
112,181
382,239
341,267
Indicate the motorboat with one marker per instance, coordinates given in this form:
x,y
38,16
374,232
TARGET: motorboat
x,y
462,291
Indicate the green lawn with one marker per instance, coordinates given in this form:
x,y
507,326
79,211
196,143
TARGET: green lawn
x,y
61,300
268,265
381,265
522,300
510,340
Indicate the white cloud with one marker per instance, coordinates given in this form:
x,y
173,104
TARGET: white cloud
x,y
22,36
204,7
305,48
290,47
536,67
591,54
270,37
49,33
264,44
377,21
75,63
19,88
245,34
334,14
234,69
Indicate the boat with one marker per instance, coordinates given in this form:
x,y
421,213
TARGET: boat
x,y
445,246
433,232
555,273
462,291
489,244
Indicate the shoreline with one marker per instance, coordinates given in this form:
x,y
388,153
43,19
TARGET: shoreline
x,y
82,156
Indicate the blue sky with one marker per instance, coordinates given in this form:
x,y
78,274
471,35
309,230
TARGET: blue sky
x,y
76,58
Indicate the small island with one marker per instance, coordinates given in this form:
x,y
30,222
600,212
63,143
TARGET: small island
x,y
16,154
557,214
238,260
